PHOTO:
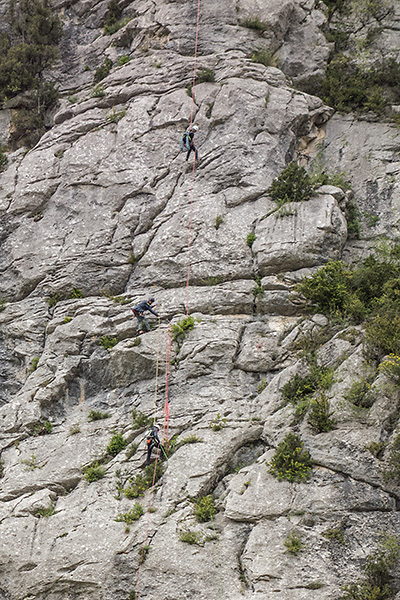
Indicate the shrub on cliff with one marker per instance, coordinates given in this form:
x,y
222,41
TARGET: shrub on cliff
x,y
292,185
291,461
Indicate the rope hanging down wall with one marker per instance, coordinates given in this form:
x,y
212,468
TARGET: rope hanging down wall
x,y
168,341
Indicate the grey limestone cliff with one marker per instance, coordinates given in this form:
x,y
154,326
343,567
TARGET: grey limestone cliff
x,y
97,216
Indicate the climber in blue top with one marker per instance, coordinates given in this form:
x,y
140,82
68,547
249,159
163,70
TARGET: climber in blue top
x,y
138,312
187,142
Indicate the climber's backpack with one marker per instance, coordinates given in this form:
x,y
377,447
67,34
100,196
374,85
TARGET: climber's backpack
x,y
185,142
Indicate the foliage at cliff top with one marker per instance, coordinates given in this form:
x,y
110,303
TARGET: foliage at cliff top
x,y
28,46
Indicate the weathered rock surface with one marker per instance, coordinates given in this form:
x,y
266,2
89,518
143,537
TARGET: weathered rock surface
x,y
103,212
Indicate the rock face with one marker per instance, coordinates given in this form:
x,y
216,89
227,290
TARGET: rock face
x,y
105,211
300,235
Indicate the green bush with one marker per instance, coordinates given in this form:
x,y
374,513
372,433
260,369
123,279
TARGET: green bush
x,y
250,239
117,444
180,329
190,439
391,368
353,220
34,364
116,115
42,428
218,221
328,288
93,472
31,463
28,46
110,29
143,552
205,75
292,185
123,60
143,481
261,386
360,394
97,415
263,57
291,461
190,537
258,290
113,13
293,543
376,448
76,293
334,534
320,415
218,423
74,429
383,331
46,512
133,515
254,23
376,582
299,388
102,71
351,86
371,279
27,126
204,509
108,342
98,92
371,290
112,22
320,176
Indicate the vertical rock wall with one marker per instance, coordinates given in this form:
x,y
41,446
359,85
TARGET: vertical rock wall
x,y
95,218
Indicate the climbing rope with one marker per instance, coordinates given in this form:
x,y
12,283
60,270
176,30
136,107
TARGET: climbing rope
x,y
195,61
169,333
194,157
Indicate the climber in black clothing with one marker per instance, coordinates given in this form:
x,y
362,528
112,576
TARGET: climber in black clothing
x,y
138,312
153,441
187,142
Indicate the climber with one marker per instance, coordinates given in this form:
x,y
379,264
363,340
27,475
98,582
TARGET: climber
x,y
153,441
138,312
187,142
